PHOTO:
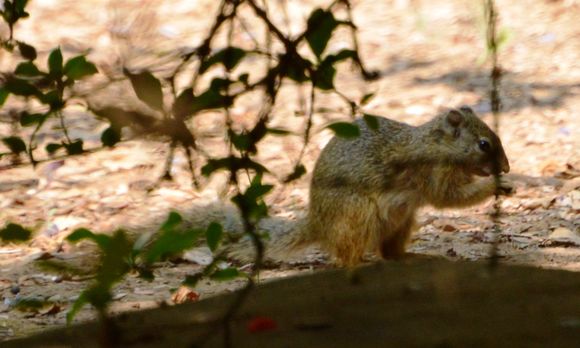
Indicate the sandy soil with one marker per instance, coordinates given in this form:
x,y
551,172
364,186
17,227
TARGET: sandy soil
x,y
430,55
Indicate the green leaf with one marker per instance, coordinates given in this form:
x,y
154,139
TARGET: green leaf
x,y
172,222
192,280
4,93
172,242
55,63
19,5
78,67
30,304
51,148
147,88
366,98
214,235
27,69
226,274
15,144
110,137
80,302
27,51
172,239
320,26
229,57
345,129
14,233
74,148
20,87
371,121
503,37
101,240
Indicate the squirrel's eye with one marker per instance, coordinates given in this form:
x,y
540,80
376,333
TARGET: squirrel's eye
x,y
484,145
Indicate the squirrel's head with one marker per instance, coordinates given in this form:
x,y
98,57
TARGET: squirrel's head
x,y
469,141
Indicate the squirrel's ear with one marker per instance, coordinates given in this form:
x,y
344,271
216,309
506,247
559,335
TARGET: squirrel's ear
x,y
454,117
467,110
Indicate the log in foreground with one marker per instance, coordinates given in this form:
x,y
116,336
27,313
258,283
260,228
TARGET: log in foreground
x,y
417,303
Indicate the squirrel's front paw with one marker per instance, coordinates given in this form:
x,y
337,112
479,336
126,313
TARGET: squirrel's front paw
x,y
505,187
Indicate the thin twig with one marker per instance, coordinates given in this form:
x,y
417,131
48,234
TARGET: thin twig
x,y
495,99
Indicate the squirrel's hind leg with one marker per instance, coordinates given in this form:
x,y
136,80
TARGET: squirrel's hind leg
x,y
344,227
393,242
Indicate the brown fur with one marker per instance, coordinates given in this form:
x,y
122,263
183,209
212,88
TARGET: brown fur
x,y
365,192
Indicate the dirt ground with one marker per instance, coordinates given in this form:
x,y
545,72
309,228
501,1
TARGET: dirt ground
x,y
430,55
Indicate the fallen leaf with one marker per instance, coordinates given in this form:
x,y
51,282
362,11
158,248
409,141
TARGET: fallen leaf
x,y
261,324
183,295
52,310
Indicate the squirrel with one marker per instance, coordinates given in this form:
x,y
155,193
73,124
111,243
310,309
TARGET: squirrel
x,y
365,191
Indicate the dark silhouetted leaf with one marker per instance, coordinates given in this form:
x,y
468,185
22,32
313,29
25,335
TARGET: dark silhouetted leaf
x,y
278,131
55,63
242,142
214,235
231,163
226,274
120,118
3,95
296,69
210,99
298,172
27,69
182,107
52,99
52,148
345,129
15,233
78,67
243,78
20,87
110,137
74,148
229,57
15,144
27,51
147,88
340,56
324,77
320,26
371,121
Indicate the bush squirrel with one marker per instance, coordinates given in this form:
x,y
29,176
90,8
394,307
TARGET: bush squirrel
x,y
365,191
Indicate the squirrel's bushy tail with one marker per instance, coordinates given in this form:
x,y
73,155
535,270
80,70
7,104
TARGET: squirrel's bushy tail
x,y
284,239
